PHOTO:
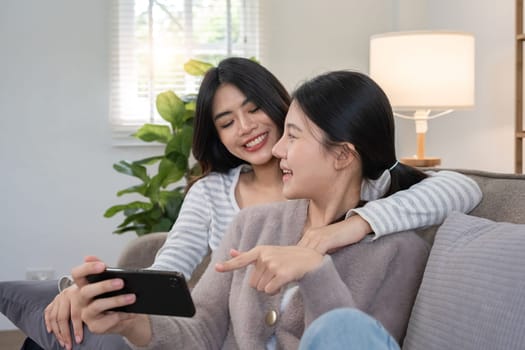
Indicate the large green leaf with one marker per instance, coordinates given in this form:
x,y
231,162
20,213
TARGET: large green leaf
x,y
140,189
132,169
136,218
196,67
154,132
188,117
180,143
172,202
131,211
163,225
170,172
148,217
149,160
155,214
154,188
179,159
190,110
171,108
133,205
145,218
140,230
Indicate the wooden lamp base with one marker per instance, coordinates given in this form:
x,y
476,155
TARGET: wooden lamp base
x,y
421,162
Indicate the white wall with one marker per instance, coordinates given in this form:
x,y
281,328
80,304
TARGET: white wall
x,y
481,138
304,38
56,150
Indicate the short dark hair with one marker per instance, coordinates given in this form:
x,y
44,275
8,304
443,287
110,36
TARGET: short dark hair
x,y
351,107
259,86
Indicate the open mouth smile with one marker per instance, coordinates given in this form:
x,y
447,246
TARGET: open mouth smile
x,y
257,141
287,174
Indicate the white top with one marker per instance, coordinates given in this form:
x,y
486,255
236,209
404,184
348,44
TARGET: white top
x,y
210,205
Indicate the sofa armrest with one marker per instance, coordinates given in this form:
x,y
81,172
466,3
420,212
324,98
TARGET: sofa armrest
x,y
141,252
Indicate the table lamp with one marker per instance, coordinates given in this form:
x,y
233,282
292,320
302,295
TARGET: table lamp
x,y
428,72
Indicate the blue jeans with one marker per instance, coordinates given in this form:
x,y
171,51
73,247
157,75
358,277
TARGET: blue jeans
x,y
347,329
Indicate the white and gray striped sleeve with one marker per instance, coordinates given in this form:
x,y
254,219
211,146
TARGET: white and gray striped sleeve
x,y
187,242
423,204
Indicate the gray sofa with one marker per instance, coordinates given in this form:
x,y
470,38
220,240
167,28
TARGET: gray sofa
x,y
473,291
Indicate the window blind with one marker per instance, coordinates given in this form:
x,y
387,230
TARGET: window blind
x,y
152,39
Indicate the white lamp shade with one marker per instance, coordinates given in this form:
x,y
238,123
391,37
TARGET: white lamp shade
x,y
424,70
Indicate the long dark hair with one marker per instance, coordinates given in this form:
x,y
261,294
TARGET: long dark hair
x,y
351,107
258,85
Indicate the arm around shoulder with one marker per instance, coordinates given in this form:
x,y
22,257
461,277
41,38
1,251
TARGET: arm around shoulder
x,y
424,204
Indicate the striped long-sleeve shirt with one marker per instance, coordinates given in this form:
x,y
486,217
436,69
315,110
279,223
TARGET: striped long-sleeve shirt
x,y
210,205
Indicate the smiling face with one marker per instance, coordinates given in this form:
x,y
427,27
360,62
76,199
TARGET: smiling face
x,y
308,167
244,129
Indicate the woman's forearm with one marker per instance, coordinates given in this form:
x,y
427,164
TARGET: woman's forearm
x,y
424,204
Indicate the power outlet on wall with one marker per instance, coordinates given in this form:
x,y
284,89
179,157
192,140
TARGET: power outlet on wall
x,y
40,274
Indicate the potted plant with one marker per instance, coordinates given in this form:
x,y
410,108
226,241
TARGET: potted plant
x,y
162,178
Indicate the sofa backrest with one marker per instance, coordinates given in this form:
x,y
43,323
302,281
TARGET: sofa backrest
x,y
503,198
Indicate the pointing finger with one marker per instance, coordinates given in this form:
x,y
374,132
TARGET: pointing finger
x,y
240,261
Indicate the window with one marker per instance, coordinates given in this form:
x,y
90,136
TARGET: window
x,y
152,39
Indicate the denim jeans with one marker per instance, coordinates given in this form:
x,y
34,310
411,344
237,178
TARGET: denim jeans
x,y
347,329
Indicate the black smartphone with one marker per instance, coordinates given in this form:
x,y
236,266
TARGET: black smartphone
x,y
157,292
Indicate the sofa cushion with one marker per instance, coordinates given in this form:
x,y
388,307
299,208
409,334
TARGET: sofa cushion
x,y
472,293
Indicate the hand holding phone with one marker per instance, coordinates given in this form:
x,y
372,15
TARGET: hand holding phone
x,y
157,292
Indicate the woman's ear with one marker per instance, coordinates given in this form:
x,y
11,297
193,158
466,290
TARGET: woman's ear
x,y
346,154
